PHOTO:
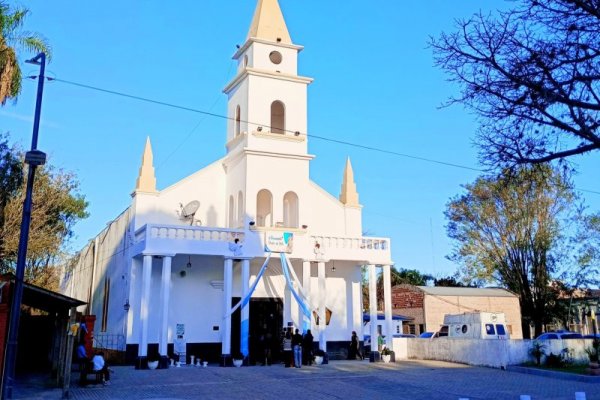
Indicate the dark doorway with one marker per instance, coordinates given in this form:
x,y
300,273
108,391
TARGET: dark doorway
x,y
266,325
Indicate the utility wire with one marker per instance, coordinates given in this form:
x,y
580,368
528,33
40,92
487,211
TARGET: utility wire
x,y
296,133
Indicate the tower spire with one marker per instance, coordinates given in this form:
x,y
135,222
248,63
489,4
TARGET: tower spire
x,y
268,23
349,195
146,181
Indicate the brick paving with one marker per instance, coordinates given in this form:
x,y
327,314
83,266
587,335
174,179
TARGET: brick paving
x,y
414,380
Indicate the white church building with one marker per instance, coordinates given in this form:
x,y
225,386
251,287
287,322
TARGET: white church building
x,y
251,229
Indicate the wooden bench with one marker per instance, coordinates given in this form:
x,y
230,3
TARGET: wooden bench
x,y
88,369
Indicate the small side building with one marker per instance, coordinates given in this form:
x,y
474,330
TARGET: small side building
x,y
428,305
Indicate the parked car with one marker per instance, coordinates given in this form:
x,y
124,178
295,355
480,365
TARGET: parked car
x,y
559,335
367,341
433,335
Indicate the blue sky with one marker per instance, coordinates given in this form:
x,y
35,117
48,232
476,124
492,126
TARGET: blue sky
x,y
375,85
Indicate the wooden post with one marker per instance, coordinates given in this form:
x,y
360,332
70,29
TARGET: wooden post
x,y
68,355
59,347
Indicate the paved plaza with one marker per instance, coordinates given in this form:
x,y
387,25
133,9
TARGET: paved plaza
x,y
415,380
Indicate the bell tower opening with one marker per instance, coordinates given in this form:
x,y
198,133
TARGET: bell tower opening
x,y
277,117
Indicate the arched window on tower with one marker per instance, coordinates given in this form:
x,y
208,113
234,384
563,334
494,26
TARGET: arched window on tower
x,y
264,208
240,209
277,117
290,210
230,213
238,121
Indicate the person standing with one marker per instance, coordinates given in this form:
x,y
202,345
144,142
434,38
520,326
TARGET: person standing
x,y
297,345
354,347
307,346
287,349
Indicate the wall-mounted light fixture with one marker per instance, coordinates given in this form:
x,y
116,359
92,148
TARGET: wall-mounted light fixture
x,y
259,129
251,223
304,226
126,306
189,264
297,133
333,266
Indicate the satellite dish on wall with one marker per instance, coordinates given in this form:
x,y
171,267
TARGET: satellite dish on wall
x,y
188,212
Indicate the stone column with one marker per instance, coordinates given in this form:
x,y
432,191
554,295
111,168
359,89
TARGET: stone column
x,y
322,298
227,289
145,305
387,300
245,313
373,312
165,291
306,321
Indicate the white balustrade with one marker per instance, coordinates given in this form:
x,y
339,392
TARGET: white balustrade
x,y
197,233
364,243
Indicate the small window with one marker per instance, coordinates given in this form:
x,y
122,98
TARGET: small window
x,y
275,57
500,329
411,329
489,329
238,121
105,305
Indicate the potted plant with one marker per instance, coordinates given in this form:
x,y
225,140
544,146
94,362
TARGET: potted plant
x,y
238,360
537,351
319,357
152,363
386,354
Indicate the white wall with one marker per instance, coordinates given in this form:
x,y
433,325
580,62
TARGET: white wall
x,y
482,352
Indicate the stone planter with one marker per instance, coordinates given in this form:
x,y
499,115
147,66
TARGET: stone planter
x,y
237,363
386,358
318,360
152,364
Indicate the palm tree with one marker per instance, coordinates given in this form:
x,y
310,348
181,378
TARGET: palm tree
x,y
12,41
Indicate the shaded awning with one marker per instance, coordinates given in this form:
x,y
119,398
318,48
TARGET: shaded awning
x,y
44,299
381,317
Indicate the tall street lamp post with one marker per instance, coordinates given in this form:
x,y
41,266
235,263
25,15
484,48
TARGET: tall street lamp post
x,y
33,158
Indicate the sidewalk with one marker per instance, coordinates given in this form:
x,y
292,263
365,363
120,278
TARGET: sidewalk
x,y
415,380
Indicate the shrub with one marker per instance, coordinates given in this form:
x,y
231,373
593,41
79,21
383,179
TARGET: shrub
x,y
537,351
554,361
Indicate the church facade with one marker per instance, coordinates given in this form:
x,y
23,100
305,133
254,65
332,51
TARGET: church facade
x,y
247,245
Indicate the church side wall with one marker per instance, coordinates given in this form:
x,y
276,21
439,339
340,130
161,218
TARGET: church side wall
x,y
103,267
327,214
207,186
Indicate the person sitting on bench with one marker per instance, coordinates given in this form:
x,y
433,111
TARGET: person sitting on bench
x,y
99,365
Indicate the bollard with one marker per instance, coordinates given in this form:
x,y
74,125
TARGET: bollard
x,y
579,395
525,397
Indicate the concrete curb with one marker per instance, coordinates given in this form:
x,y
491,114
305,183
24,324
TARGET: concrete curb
x,y
554,374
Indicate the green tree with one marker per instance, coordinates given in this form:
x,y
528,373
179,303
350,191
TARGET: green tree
x,y
532,74
11,177
13,40
506,230
448,281
57,206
